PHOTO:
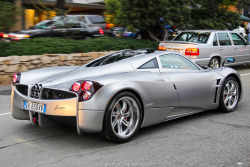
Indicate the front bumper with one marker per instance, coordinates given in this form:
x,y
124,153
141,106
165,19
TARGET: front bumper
x,y
86,120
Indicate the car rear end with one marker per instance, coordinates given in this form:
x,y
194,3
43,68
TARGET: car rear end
x,y
193,44
42,105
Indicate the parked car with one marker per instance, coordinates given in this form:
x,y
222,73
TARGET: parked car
x,y
50,28
121,92
90,20
210,47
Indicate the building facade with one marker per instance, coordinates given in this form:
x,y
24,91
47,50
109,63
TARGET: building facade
x,y
34,11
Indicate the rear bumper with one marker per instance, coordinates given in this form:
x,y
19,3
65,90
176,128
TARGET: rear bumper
x,y
62,109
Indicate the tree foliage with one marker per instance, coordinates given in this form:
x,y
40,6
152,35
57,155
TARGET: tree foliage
x,y
8,14
214,14
145,14
184,14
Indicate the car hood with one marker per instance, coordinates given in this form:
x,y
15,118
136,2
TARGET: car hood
x,y
63,77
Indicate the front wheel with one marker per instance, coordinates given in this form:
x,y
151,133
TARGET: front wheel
x,y
123,118
214,63
230,94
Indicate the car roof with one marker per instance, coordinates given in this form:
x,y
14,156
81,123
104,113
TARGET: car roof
x,y
206,30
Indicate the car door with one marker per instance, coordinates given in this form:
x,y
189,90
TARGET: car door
x,y
196,87
226,48
241,49
161,92
59,29
76,30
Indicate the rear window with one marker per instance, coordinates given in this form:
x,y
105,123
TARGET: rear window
x,y
96,19
112,58
197,37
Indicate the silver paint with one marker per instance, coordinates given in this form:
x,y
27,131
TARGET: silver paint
x,y
164,93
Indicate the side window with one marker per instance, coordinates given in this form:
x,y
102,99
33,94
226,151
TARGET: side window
x,y
237,40
59,24
150,64
116,58
175,61
224,39
215,41
76,25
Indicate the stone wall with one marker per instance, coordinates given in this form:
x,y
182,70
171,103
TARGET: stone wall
x,y
12,64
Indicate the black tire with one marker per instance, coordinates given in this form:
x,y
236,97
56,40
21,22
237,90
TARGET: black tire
x,y
115,119
214,63
229,96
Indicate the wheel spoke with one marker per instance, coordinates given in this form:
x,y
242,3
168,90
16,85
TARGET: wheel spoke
x,y
126,114
226,100
227,87
232,87
114,123
125,122
124,106
119,125
114,114
234,92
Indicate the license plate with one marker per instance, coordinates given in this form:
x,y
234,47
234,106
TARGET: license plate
x,y
27,105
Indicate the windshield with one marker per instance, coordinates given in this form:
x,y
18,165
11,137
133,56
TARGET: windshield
x,y
96,19
44,24
197,37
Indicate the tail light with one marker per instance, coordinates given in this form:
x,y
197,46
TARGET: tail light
x,y
192,52
16,78
101,31
76,86
85,89
107,26
161,48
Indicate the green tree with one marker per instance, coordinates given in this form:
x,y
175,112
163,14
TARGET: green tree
x,y
8,14
145,15
214,14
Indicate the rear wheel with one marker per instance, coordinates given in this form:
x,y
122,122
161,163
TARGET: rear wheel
x,y
214,63
229,96
123,118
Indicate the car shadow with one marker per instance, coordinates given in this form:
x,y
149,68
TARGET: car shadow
x,y
65,135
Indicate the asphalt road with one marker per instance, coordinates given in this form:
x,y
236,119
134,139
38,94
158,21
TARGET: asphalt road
x,y
208,139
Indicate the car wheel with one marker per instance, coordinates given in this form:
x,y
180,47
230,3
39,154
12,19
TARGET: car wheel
x,y
229,96
123,118
214,63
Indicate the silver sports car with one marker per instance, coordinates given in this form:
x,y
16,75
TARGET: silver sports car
x,y
119,93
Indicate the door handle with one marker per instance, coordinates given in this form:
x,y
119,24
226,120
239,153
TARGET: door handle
x,y
221,48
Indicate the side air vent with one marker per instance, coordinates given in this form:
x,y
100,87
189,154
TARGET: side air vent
x,y
23,89
216,90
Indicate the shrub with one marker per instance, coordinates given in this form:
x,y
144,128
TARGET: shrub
x,y
38,46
